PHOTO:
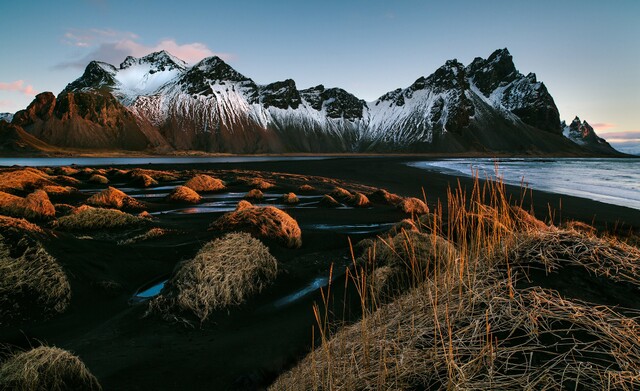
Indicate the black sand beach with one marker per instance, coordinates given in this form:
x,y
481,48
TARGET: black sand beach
x,y
246,347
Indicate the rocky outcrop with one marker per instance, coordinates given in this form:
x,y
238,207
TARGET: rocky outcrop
x,y
581,133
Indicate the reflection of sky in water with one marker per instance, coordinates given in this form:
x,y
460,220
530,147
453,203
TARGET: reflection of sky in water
x,y
313,286
613,181
152,291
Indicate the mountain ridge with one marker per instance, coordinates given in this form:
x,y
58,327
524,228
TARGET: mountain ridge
x,y
158,103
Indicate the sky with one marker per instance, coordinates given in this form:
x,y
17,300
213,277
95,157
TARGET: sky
x,y
586,52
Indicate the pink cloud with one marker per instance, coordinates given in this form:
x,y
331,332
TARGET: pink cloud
x,y
114,46
18,86
603,126
632,135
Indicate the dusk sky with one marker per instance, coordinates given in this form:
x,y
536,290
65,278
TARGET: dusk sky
x,y
586,52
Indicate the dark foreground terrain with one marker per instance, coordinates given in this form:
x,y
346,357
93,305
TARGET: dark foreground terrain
x,y
248,346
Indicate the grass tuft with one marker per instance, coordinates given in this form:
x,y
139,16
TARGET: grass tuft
x,y
263,222
224,273
46,368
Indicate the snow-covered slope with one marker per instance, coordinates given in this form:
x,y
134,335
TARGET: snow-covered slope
x,y
7,117
485,106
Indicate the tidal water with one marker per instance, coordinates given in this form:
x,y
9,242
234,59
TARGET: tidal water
x,y
613,181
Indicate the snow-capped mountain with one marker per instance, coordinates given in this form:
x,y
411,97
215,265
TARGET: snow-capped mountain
x,y
7,117
158,102
583,134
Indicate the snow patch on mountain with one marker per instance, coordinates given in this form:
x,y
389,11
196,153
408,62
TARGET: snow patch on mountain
x,y
7,117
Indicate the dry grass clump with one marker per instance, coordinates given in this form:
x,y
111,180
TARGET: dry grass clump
x,y
67,180
204,183
157,175
183,194
263,222
24,179
404,225
254,194
32,283
55,190
46,368
480,337
405,260
382,196
604,257
290,199
359,200
580,227
90,218
34,206
329,202
341,194
150,234
143,180
100,179
11,224
259,183
306,189
413,206
243,204
66,170
114,198
224,273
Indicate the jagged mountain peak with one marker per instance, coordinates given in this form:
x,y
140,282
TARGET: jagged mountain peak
x,y
581,133
280,94
159,61
96,75
497,70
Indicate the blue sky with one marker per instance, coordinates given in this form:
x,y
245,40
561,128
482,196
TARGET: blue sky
x,y
586,52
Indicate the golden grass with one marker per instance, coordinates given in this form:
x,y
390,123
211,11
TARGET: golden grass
x,y
24,179
382,196
55,190
204,183
114,198
406,259
466,323
580,227
46,368
243,204
66,170
341,194
329,202
263,222
90,218
144,180
34,206
163,176
479,337
100,179
555,248
67,180
413,206
290,199
11,224
259,183
306,189
183,194
359,200
254,194
32,283
224,273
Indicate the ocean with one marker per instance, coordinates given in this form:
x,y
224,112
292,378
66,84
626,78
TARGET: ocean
x,y
613,181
